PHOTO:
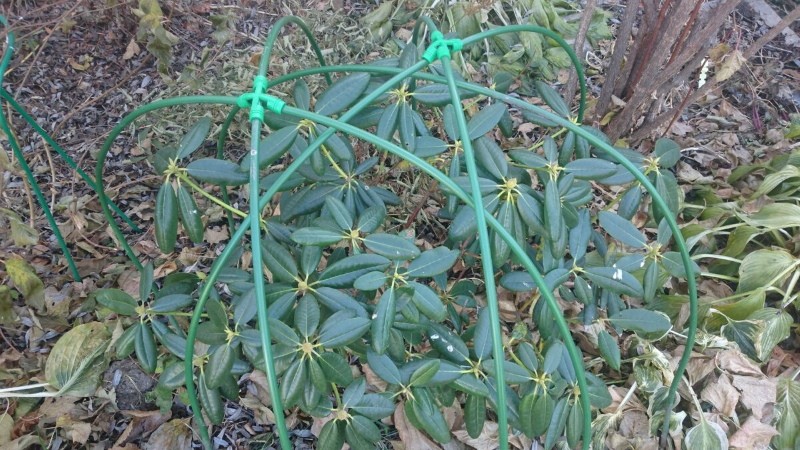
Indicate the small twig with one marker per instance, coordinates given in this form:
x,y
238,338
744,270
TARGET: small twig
x,y
615,66
580,40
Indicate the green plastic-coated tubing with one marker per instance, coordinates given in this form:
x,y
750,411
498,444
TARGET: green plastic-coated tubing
x,y
236,237
561,42
659,202
519,29
5,95
12,141
15,148
258,281
486,255
116,131
263,65
223,134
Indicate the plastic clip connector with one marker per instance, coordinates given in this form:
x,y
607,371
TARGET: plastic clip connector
x,y
259,99
441,47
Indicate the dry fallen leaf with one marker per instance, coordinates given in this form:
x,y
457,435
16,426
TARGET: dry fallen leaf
x,y
487,440
722,395
132,50
753,435
174,434
757,393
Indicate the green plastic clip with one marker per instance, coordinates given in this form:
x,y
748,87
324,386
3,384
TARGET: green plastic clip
x,y
259,99
441,47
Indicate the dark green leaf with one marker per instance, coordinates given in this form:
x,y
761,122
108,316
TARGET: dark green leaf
x,y
342,94
388,122
668,153
211,402
166,218
374,406
406,128
425,373
146,281
366,428
302,97
306,315
339,212
279,261
474,415
428,302
194,138
558,422
491,157
552,98
486,119
382,321
272,147
282,333
170,303
432,262
370,281
528,159
448,344
433,94
667,187
590,168
190,216
574,425
622,230
391,246
332,436
615,280
341,329
543,406
146,351
642,321
344,272
335,368
116,300
609,349
317,236
293,383
219,366
384,367
482,341
217,171
553,217
429,146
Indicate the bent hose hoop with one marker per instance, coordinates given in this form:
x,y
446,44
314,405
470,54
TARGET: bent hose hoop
x,y
263,65
237,236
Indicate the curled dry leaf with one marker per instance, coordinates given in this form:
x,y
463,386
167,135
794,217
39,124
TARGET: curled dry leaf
x,y
410,436
753,435
173,434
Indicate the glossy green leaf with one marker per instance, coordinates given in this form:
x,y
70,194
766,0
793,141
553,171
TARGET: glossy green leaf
x,y
543,408
432,262
344,272
332,436
146,281
558,422
642,321
371,281
211,402
609,349
590,168
339,212
615,280
374,406
272,147
306,315
171,303
166,218
341,94
428,302
433,94
474,415
630,201
217,171
668,153
218,366
433,421
146,351
116,300
388,121
194,138
365,428
429,146
482,340
667,187
553,217
448,344
335,368
552,98
322,237
471,385
190,216
490,156
405,127
384,367
528,159
342,328
425,373
485,120
622,230
382,321
293,383
574,425
391,246
279,261
301,94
